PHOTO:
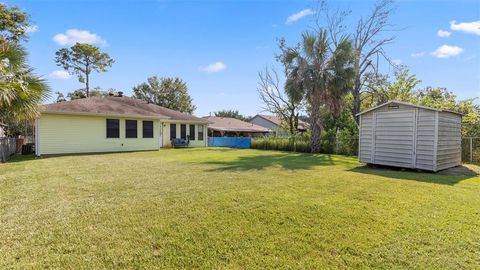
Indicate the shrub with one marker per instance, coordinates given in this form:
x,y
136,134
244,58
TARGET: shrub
x,y
282,144
344,143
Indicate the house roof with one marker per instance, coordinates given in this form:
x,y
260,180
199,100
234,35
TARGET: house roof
x,y
117,106
406,104
302,125
232,124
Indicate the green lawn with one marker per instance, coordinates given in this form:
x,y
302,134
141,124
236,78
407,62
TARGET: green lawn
x,y
240,209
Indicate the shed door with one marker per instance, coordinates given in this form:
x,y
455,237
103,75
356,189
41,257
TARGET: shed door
x,y
394,138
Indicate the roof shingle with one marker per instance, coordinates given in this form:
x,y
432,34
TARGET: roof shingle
x,y
118,106
302,125
232,124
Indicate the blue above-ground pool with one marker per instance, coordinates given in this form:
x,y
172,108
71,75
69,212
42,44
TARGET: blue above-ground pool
x,y
233,142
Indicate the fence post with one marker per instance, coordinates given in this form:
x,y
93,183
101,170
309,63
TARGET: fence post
x,y
471,149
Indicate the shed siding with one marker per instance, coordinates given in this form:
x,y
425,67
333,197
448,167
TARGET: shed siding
x,y
366,138
425,140
394,133
408,136
449,153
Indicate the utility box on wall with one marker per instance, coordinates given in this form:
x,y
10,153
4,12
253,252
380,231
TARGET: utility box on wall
x,y
406,135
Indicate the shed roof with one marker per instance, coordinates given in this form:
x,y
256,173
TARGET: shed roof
x,y
407,104
302,125
117,106
232,124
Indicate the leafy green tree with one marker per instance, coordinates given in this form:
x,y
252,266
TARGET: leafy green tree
x,y
441,98
170,93
21,91
96,92
231,114
380,89
324,73
403,88
81,59
13,25
60,97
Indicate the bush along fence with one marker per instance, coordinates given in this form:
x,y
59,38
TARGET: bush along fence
x,y
8,147
343,145
347,145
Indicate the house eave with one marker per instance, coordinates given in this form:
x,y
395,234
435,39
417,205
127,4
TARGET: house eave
x,y
104,115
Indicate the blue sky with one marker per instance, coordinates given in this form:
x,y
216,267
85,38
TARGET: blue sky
x,y
218,47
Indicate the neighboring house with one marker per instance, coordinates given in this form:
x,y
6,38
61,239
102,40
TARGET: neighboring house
x,y
406,135
113,124
274,124
231,127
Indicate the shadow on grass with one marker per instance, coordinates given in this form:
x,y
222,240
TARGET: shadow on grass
x,y
289,161
442,177
17,158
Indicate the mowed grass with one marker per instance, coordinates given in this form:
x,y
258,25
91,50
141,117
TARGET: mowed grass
x,y
233,209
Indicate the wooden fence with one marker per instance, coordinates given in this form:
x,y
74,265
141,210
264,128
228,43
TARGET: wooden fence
x,y
8,147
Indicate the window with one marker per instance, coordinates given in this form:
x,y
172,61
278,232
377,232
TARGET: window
x,y
130,128
147,129
183,131
192,132
173,131
113,128
200,132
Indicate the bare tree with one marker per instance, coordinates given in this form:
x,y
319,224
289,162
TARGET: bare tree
x,y
370,36
277,101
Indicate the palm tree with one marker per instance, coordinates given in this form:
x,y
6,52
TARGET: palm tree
x,y
21,91
323,73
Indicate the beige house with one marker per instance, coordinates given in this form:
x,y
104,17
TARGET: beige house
x,y
274,124
231,127
113,124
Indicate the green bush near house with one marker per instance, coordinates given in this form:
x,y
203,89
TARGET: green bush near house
x,y
227,208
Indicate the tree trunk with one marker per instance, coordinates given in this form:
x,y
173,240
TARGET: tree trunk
x,y
315,141
356,101
87,79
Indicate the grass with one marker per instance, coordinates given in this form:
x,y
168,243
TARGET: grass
x,y
233,209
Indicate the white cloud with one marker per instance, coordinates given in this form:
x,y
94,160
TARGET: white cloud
x,y
418,54
60,74
31,29
467,27
397,62
72,36
445,51
215,67
443,33
297,16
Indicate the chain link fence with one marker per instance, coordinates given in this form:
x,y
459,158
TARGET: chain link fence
x,y
471,150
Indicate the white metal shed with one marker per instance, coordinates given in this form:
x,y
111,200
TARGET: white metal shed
x,y
405,135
